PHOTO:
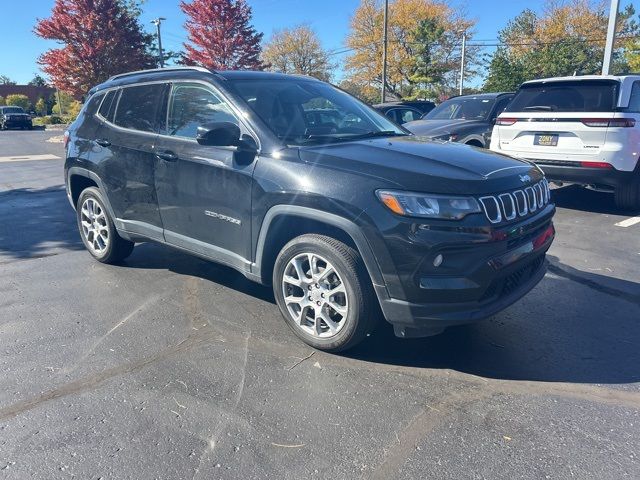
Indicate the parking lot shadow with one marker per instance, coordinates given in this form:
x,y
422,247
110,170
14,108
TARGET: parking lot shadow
x,y
563,331
575,197
571,328
36,223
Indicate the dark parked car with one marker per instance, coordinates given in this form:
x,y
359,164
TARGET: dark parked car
x,y
14,117
405,111
344,223
466,119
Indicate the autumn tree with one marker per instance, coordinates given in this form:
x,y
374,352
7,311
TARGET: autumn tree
x,y
297,50
567,37
424,38
220,35
3,102
99,38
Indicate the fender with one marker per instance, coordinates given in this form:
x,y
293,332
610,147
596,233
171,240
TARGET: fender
x,y
342,223
84,172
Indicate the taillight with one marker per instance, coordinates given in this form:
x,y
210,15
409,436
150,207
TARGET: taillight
x,y
595,165
505,121
66,139
609,122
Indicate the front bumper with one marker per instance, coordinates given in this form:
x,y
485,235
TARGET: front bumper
x,y
18,123
571,173
482,274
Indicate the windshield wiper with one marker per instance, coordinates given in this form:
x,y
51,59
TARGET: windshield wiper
x,y
374,134
544,108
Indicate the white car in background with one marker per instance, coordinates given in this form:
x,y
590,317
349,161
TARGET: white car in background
x,y
583,130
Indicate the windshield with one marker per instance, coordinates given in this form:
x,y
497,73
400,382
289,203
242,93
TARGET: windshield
x,y
12,110
566,96
304,112
462,108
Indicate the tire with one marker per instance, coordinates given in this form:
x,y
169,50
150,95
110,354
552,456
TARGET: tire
x,y
108,246
627,196
348,316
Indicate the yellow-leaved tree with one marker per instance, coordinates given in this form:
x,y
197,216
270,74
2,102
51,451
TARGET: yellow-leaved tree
x,y
423,54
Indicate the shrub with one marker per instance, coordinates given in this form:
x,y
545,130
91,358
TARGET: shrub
x,y
18,100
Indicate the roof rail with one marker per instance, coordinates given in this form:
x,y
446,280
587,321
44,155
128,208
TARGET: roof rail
x,y
155,70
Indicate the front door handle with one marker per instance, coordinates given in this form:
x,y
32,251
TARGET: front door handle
x,y
103,142
167,156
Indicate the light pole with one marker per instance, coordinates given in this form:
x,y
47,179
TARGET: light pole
x,y
384,51
157,23
464,51
611,36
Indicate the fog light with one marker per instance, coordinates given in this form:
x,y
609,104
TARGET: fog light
x,y
438,260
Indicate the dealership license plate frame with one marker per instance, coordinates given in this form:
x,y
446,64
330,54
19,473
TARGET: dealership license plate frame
x,y
546,139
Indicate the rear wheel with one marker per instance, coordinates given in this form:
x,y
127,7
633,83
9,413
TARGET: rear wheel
x,y
97,230
324,292
627,195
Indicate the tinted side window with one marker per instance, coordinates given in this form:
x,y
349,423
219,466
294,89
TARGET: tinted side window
x,y
194,105
408,115
501,104
634,101
108,105
137,107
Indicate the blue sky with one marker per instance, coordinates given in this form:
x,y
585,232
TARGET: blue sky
x,y
330,18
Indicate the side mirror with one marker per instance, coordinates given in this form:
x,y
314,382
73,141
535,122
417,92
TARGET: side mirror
x,y
219,134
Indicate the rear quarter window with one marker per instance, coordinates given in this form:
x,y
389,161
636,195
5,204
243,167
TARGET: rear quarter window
x,y
569,96
108,106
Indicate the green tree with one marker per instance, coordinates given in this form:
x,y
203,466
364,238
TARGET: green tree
x,y
4,80
70,106
428,73
2,101
38,81
41,107
18,100
505,74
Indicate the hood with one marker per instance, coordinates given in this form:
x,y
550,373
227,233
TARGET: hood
x,y
434,128
421,165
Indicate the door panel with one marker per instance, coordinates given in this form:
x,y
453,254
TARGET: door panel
x,y
125,155
204,192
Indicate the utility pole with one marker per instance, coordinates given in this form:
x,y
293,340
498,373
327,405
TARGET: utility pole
x,y
611,36
464,48
157,23
384,51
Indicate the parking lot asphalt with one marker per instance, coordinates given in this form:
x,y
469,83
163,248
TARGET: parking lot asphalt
x,y
167,366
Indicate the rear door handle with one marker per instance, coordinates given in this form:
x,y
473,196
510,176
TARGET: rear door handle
x,y
167,156
103,142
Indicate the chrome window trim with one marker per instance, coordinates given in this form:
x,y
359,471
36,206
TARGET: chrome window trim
x,y
239,114
514,210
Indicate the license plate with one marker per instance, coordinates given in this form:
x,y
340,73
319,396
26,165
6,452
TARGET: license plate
x,y
545,140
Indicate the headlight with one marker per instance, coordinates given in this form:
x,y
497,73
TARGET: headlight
x,y
426,205
449,137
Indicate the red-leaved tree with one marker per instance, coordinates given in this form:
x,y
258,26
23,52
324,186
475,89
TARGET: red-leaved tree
x,y
221,36
99,38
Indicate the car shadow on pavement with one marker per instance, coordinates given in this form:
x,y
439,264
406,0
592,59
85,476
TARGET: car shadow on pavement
x,y
36,223
575,197
572,327
563,331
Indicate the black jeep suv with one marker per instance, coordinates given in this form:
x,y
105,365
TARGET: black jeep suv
x,y
345,215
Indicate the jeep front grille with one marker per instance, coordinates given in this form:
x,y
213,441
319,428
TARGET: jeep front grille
x,y
508,206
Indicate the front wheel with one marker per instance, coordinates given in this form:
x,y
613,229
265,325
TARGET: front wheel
x,y
324,292
97,230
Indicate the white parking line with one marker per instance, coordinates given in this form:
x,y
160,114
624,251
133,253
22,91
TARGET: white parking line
x,y
628,222
26,158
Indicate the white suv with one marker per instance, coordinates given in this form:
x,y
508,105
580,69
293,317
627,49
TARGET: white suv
x,y
582,130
